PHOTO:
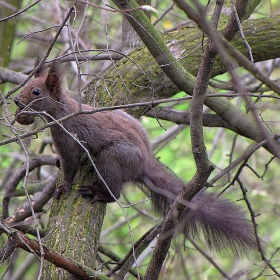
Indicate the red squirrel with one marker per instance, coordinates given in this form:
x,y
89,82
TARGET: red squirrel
x,y
120,148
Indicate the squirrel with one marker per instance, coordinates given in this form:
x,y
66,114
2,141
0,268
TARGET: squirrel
x,y
119,145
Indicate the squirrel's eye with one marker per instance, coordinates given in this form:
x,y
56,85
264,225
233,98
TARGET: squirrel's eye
x,y
36,91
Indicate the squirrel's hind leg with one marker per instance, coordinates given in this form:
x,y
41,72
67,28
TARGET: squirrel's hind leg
x,y
95,193
109,168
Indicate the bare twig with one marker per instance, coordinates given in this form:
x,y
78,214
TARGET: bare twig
x,y
210,259
248,152
20,12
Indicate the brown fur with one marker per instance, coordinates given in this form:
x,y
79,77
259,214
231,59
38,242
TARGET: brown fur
x,y
119,146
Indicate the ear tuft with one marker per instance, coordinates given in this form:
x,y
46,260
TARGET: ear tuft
x,y
53,81
40,71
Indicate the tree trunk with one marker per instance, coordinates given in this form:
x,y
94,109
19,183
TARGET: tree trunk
x,y
74,226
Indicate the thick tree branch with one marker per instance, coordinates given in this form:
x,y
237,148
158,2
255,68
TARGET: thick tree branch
x,y
181,117
147,80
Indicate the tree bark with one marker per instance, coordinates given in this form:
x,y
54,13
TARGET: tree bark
x,y
74,226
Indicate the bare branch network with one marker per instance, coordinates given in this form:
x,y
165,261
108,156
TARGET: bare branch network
x,y
204,81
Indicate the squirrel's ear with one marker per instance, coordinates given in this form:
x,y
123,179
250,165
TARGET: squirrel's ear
x,y
40,71
53,81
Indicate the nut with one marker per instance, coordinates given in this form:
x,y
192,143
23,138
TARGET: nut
x,y
24,118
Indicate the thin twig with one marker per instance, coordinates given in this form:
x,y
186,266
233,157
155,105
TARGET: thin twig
x,y
20,12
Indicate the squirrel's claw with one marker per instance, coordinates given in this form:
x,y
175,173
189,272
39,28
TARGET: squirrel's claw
x,y
65,187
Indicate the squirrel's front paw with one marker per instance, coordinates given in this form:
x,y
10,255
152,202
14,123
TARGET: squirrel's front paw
x,y
65,187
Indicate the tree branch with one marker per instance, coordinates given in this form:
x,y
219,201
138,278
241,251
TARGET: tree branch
x,y
181,117
19,240
19,174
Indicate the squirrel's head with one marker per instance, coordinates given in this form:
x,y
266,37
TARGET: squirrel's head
x,y
43,91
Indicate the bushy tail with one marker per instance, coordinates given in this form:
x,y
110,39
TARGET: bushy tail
x,y
222,223
163,185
